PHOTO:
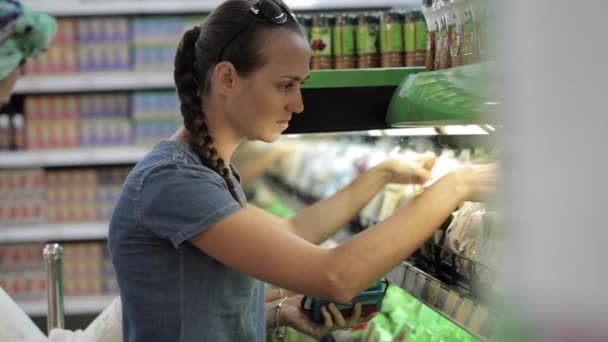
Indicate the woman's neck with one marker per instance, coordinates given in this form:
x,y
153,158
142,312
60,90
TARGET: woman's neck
x,y
225,144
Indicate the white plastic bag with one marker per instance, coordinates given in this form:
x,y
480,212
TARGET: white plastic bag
x,y
15,325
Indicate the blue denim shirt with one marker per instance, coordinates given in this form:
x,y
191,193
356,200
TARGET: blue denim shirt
x,y
171,291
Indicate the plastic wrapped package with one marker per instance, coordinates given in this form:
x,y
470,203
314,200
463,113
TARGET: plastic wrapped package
x,y
465,231
15,325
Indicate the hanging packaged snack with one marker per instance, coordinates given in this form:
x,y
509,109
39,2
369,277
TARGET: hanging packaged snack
x,y
443,58
421,38
391,39
344,42
320,43
469,40
415,38
455,19
431,24
367,41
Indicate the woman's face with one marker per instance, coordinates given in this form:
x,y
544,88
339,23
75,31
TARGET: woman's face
x,y
266,100
6,86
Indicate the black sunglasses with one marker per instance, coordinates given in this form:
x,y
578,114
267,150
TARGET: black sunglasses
x,y
274,11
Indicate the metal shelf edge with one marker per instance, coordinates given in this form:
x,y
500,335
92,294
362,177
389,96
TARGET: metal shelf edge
x,y
54,232
463,311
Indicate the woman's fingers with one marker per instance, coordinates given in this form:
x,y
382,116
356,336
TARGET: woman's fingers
x,y
339,320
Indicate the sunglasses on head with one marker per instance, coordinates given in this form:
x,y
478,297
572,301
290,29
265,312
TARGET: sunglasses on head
x,y
274,11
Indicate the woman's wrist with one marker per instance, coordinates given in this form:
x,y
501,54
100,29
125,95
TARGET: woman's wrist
x,y
459,182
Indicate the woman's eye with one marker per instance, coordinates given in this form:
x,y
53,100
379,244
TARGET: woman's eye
x,y
287,86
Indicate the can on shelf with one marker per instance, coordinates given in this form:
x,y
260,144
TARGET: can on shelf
x,y
320,43
391,39
368,29
344,42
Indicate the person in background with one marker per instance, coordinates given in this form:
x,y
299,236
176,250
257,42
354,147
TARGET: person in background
x,y
191,254
24,34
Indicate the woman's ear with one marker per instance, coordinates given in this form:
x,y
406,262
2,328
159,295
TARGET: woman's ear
x,y
224,77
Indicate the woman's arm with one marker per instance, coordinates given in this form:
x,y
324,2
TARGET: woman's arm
x,y
262,248
321,220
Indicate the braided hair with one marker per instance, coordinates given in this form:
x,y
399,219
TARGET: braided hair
x,y
198,52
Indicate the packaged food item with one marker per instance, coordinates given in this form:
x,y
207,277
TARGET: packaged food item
x,y
455,19
464,234
321,43
443,56
431,24
368,30
344,42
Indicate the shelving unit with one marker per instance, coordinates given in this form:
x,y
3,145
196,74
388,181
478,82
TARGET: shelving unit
x,y
464,311
88,82
72,157
72,305
54,232
88,8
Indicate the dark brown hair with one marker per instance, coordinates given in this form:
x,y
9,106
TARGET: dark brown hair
x,y
199,51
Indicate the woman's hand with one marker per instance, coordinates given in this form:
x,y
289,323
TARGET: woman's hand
x,y
294,316
478,181
409,172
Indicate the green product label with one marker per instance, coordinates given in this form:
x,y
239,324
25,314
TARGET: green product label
x,y
320,42
344,41
367,40
421,34
410,37
391,38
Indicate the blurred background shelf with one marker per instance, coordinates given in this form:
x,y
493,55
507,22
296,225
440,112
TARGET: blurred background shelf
x,y
132,80
54,232
72,305
72,157
94,81
85,8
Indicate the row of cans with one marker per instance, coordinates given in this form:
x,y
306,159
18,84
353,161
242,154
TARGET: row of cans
x,y
366,40
87,270
59,196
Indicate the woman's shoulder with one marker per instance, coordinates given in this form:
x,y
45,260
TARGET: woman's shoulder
x,y
171,161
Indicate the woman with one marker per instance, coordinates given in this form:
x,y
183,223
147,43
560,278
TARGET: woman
x,y
23,34
190,253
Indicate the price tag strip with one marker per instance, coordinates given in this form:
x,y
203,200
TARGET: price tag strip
x,y
458,308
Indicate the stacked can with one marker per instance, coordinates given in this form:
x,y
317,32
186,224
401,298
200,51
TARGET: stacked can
x,y
367,41
344,42
415,35
61,57
306,23
320,43
391,39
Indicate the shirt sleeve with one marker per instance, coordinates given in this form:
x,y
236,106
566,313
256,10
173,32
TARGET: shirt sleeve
x,y
179,201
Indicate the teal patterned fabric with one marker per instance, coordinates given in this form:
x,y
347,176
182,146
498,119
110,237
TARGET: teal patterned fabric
x,y
23,34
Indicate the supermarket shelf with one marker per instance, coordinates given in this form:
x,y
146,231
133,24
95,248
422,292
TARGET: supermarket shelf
x,y
77,8
54,232
457,96
348,78
72,157
467,313
72,305
85,82
130,80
